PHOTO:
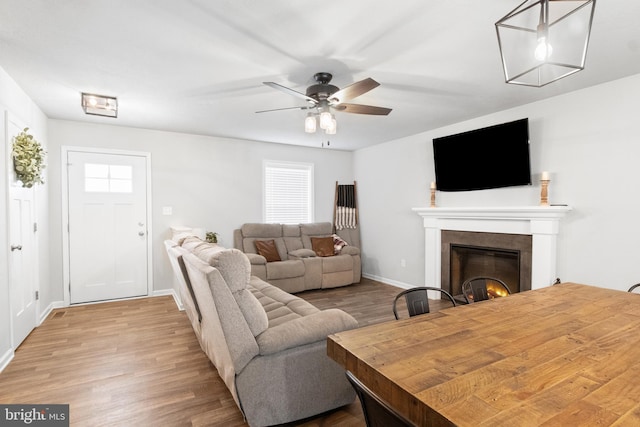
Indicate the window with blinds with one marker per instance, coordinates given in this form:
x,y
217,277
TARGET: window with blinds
x,y
288,192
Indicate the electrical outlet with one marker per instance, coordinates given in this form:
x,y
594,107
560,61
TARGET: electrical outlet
x,y
403,263
167,210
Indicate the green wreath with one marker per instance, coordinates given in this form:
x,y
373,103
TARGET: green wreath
x,y
28,159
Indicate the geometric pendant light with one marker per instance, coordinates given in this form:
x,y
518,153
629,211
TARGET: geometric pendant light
x,y
542,41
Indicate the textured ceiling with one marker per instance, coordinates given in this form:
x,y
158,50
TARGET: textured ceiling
x,y
198,66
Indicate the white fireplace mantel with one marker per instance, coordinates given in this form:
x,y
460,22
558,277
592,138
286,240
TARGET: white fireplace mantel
x,y
541,222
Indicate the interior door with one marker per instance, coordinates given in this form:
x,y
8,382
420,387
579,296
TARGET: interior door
x,y
22,264
23,261
107,196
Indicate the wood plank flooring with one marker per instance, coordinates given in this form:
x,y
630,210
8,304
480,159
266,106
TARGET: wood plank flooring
x,y
138,363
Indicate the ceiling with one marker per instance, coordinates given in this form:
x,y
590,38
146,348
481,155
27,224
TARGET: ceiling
x,y
198,66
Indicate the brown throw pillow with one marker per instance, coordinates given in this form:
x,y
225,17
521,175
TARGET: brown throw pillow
x,y
267,248
323,246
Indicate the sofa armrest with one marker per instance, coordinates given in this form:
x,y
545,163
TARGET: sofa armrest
x,y
304,330
301,253
256,259
350,250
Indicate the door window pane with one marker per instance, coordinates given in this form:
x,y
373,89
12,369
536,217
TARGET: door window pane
x,y
100,178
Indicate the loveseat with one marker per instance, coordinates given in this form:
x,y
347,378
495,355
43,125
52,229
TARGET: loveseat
x,y
297,257
268,346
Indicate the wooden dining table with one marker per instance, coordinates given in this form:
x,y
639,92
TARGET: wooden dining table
x,y
565,355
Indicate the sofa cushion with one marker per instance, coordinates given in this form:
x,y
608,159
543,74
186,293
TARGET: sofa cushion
x,y
226,335
304,330
234,267
279,305
302,253
290,230
317,229
293,244
252,310
191,242
350,235
262,230
337,263
323,246
267,248
285,269
206,251
350,250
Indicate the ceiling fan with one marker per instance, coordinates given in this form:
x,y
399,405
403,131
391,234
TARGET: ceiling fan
x,y
322,97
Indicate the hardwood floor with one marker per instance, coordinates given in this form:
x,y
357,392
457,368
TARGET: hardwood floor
x,y
138,362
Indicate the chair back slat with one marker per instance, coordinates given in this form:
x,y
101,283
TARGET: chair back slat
x,y
476,289
417,300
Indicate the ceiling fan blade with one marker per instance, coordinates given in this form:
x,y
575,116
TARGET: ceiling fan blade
x,y
291,92
363,109
286,108
353,90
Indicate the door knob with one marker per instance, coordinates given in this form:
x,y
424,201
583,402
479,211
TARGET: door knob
x,y
16,247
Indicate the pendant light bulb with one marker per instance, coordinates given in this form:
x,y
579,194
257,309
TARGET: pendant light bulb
x,y
333,127
543,49
325,120
310,123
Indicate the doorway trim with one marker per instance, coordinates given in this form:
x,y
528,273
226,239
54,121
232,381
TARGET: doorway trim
x,y
65,212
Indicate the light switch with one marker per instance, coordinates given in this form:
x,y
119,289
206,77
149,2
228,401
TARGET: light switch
x,y
167,210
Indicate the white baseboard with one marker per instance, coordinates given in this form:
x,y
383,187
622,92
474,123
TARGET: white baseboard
x,y
6,358
395,283
172,292
49,309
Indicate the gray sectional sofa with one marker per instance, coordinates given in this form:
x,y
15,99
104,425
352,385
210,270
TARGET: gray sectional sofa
x,y
299,267
268,346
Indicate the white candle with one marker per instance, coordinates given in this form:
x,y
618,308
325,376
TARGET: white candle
x,y
545,176
433,185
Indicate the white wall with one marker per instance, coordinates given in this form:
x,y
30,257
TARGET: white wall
x,y
211,183
14,101
588,140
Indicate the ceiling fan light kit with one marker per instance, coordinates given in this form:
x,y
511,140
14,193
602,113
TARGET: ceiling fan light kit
x,y
323,97
542,41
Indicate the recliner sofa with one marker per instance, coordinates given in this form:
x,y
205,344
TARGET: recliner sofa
x,y
299,267
268,346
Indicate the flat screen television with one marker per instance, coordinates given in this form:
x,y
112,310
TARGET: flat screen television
x,y
492,157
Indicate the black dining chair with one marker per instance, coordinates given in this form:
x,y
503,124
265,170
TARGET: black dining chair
x,y
377,413
483,288
417,300
636,286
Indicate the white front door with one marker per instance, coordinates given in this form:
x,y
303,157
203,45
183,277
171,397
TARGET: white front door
x,y
108,250
23,261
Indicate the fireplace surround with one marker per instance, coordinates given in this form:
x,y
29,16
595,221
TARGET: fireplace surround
x,y
468,254
539,223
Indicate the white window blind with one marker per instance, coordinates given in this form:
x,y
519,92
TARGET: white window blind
x,y
288,192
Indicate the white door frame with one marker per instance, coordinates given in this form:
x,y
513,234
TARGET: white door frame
x,y
65,212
